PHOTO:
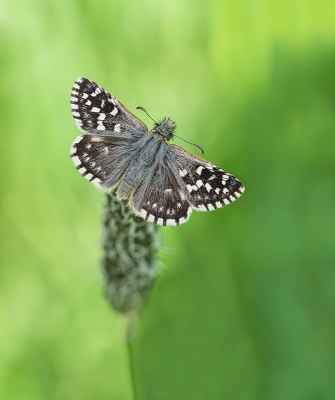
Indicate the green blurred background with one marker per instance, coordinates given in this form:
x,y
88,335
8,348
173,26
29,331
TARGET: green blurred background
x,y
245,305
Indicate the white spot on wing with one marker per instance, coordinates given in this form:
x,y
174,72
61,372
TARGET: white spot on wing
x,y
151,218
74,106
95,109
182,172
160,221
199,183
171,222
88,176
75,114
76,86
74,98
208,187
96,181
102,116
210,207
199,170
82,170
88,102
226,201
77,139
85,95
115,111
73,150
143,213
76,161
117,128
78,123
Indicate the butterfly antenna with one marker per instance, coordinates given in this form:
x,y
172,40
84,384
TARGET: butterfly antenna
x,y
143,109
202,152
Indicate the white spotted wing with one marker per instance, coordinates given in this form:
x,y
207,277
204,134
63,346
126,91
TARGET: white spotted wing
x,y
205,186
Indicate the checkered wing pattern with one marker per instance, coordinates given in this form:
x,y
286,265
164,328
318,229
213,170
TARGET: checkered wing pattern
x,y
102,160
160,198
206,187
97,111
112,137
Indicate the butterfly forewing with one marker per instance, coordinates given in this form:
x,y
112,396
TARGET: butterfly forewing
x,y
206,186
97,111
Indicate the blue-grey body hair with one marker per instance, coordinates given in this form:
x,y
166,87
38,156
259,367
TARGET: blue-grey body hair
x,y
162,181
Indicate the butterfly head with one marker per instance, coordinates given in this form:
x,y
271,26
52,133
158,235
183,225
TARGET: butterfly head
x,y
165,128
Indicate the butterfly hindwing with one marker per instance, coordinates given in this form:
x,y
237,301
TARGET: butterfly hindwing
x,y
205,186
102,159
159,198
97,111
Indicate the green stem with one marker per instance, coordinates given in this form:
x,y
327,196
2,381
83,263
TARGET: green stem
x,y
129,265
132,369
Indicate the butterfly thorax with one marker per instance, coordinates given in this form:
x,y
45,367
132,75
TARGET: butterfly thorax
x,y
164,130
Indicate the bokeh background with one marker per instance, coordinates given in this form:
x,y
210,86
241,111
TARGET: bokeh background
x,y
245,305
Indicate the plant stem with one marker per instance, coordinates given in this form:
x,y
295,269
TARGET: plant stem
x,y
132,369
129,265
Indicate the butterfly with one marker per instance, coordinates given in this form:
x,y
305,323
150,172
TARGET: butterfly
x,y
163,182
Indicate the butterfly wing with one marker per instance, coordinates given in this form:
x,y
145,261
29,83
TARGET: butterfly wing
x,y
102,159
97,111
113,135
205,186
180,182
159,198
